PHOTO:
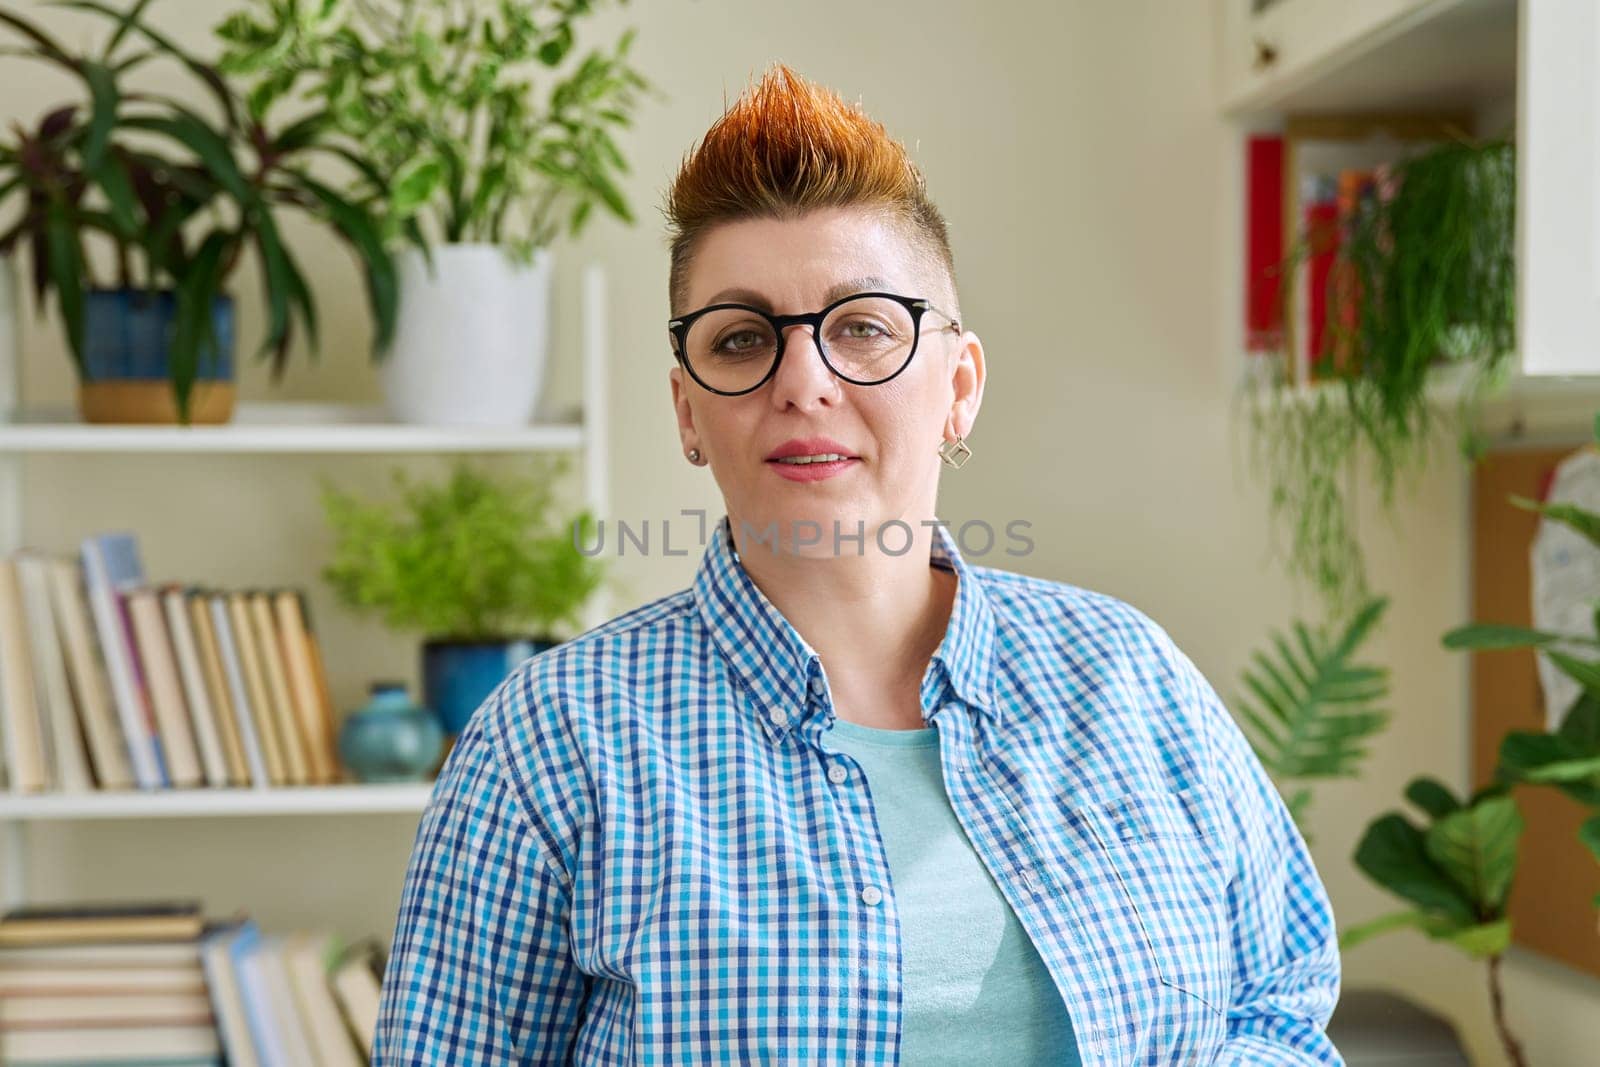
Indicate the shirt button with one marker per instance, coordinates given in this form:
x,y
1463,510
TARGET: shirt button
x,y
871,895
817,686
778,716
837,773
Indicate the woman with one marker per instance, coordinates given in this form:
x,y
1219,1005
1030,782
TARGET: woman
x,y
850,798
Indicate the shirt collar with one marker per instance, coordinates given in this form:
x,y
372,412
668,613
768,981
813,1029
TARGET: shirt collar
x,y
776,665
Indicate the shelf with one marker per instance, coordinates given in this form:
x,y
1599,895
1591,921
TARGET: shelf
x,y
404,798
281,428
1446,55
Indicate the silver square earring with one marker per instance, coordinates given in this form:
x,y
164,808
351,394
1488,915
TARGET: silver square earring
x,y
955,453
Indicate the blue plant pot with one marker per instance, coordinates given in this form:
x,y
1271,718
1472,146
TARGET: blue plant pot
x,y
458,675
127,367
391,739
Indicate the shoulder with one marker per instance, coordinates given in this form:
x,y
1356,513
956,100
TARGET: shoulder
x,y
1050,611
549,714
1110,669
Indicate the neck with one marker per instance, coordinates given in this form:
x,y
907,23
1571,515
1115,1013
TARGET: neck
x,y
875,619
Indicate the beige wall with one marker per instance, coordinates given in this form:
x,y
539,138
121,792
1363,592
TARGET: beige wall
x,y
1092,196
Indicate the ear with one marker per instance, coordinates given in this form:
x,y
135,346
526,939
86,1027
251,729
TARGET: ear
x,y
966,385
680,405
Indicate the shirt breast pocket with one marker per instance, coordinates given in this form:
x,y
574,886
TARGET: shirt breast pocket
x,y
1170,858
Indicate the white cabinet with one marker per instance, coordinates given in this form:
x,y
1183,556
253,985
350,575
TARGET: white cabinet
x,y
1266,47
1558,188
1536,60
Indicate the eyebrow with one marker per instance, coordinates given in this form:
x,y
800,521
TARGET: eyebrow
x,y
843,289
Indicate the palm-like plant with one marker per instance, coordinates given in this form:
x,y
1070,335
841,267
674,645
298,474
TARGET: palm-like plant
x,y
1314,708
181,200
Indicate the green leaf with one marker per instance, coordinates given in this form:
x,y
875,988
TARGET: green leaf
x,y
1432,797
1392,853
1399,920
1584,672
1477,849
211,147
1312,706
66,274
1580,727
382,279
206,74
193,329
1589,834
415,184
1480,941
106,99
1488,636
1583,521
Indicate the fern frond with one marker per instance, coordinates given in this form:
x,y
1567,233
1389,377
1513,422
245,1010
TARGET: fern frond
x,y
1310,709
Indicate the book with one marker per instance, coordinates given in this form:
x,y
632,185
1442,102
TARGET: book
x,y
245,950
268,727
98,980
254,734
207,731
86,670
27,761
307,956
286,1012
146,954
111,561
357,981
69,764
269,651
1320,208
43,1011
227,996
1264,247
240,768
316,718
153,647
102,921
167,1045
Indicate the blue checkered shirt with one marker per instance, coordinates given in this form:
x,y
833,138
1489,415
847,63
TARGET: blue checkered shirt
x,y
643,849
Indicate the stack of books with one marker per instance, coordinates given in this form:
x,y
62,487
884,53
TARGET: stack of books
x,y
110,681
147,982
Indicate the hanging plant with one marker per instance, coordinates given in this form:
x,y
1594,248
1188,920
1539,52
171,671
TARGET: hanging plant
x,y
1423,284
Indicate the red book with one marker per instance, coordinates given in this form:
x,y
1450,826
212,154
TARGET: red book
x,y
1322,236
1264,244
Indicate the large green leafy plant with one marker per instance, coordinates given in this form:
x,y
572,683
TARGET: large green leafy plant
x,y
178,196
476,557
1423,281
1457,873
439,94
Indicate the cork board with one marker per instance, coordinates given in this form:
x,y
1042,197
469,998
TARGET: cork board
x,y
1552,909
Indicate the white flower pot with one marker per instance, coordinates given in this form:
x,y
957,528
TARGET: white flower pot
x,y
470,338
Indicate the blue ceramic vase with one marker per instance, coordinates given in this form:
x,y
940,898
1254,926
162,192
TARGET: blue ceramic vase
x,y
127,371
457,675
391,739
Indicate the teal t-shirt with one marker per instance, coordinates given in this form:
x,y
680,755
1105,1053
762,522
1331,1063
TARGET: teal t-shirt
x,y
975,989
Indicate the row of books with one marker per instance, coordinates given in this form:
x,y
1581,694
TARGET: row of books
x,y
1325,204
111,681
157,982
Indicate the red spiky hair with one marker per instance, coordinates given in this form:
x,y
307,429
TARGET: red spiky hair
x,y
787,147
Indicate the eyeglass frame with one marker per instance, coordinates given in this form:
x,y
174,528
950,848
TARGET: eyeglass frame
x,y
678,328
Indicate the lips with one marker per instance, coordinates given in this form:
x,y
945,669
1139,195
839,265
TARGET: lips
x,y
810,446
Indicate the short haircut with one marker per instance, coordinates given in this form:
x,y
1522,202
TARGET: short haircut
x,y
788,147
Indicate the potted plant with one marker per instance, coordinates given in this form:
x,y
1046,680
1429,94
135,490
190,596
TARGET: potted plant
x,y
476,564
438,95
167,190
1423,285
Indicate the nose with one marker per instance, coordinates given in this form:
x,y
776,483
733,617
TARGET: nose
x,y
802,378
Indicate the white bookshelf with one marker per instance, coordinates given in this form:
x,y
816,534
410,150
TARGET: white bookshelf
x,y
399,798
308,429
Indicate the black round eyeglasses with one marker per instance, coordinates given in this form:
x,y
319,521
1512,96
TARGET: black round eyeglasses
x,y
864,338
